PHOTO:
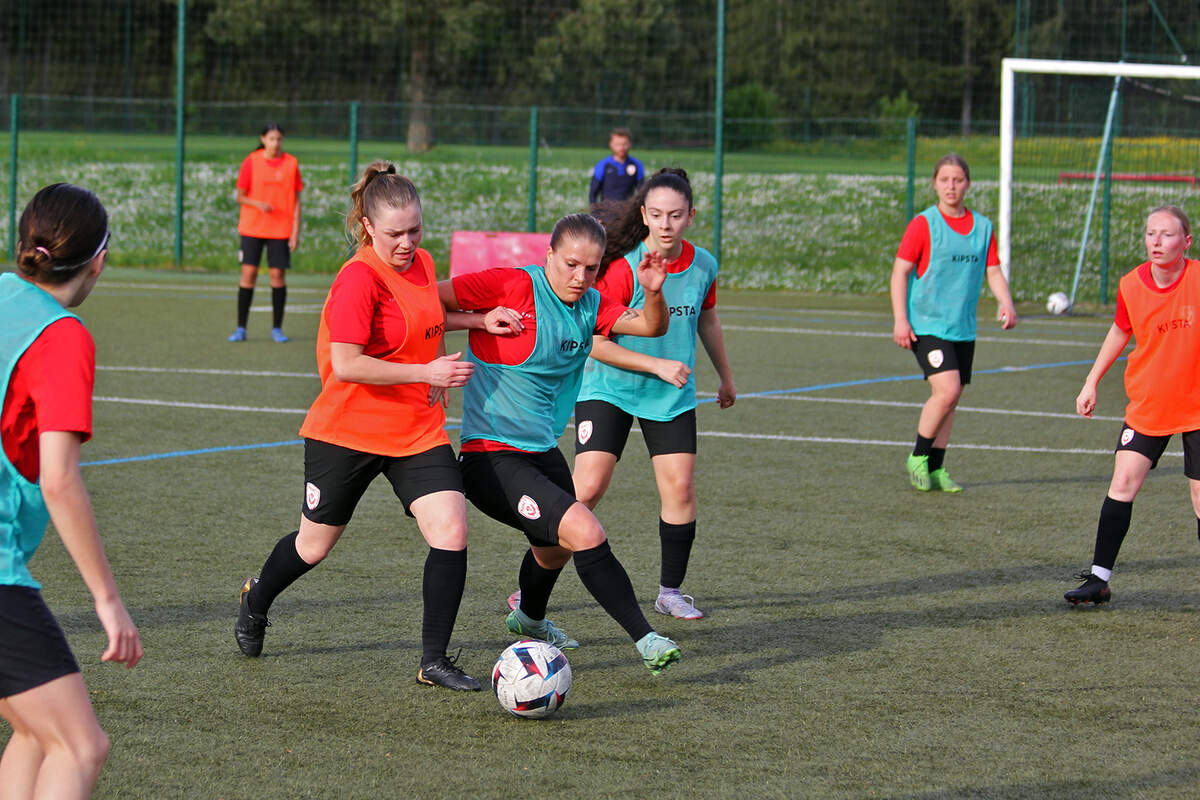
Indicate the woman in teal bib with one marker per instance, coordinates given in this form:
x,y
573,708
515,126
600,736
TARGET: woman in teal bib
x,y
653,379
936,279
516,405
47,363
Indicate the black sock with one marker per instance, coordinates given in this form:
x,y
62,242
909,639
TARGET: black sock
x,y
1198,527
278,299
923,447
937,457
441,591
606,579
536,583
676,542
281,570
245,297
1114,524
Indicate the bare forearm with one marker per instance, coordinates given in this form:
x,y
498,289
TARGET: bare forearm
x,y
376,372
1114,343
899,290
609,352
71,512
655,311
712,336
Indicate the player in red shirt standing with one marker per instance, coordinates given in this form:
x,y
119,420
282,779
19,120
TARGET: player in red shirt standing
x,y
47,363
1156,304
268,192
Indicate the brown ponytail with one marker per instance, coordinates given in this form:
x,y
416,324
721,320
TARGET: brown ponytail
x,y
378,186
62,229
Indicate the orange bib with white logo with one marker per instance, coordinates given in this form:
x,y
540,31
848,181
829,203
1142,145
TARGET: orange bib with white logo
x,y
385,420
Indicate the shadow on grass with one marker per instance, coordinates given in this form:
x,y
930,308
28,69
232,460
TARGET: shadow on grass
x,y
1126,786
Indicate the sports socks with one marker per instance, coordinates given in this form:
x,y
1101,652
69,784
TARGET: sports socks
x,y
278,300
606,579
676,543
245,297
1114,524
280,571
937,457
536,583
441,591
924,446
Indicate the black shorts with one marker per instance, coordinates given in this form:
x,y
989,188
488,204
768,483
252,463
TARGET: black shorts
x,y
1152,447
336,477
527,491
35,650
279,255
936,355
601,426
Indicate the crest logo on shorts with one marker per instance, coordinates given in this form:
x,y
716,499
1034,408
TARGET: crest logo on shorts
x,y
1126,436
528,508
584,431
935,357
312,495
630,170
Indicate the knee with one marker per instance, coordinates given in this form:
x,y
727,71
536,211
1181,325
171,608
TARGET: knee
x,y
679,490
449,536
312,552
88,750
948,395
589,489
580,532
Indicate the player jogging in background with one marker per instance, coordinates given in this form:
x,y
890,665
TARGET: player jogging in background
x,y
1156,305
946,251
268,193
384,370
653,379
47,366
616,177
517,404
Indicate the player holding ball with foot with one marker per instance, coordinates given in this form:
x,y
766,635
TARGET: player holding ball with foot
x,y
946,251
1156,305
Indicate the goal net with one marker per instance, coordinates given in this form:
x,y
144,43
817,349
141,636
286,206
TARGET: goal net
x,y
1086,150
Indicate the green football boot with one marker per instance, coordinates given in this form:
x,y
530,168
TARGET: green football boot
x,y
940,481
518,622
918,472
658,652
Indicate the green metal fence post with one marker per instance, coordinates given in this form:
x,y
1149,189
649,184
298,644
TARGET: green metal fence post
x,y
910,191
353,142
180,59
531,224
14,128
719,133
1106,212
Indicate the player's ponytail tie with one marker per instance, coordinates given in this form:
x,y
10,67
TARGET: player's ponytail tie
x,y
44,252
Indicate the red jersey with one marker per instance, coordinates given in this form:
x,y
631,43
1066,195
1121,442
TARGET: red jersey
x,y
914,247
618,280
512,288
50,390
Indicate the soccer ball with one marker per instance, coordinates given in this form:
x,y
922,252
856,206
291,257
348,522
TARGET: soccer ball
x,y
1058,303
531,679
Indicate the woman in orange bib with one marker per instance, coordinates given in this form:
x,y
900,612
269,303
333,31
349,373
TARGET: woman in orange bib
x,y
383,370
1156,304
268,194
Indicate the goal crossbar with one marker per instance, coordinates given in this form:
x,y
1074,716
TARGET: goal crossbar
x,y
1009,68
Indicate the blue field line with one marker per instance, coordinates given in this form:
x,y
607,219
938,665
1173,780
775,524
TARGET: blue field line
x,y
895,378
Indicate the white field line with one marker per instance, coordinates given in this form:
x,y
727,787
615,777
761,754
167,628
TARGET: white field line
x,y
194,287
295,308
825,312
883,335
142,401
188,371
903,404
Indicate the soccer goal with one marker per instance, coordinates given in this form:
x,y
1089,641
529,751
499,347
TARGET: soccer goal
x,y
1068,129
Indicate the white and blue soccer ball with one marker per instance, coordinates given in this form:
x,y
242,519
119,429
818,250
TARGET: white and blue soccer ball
x,y
531,679
1058,303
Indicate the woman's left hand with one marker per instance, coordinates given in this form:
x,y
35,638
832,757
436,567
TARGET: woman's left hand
x,y
503,321
437,394
652,272
726,394
1007,316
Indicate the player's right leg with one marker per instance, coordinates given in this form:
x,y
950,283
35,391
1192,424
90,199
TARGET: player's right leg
x,y
57,747
1136,456
250,256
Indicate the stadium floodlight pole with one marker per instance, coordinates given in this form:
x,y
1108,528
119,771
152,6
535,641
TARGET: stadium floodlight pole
x,y
180,59
1009,67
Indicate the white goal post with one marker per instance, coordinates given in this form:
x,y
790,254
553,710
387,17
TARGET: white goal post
x,y
1011,66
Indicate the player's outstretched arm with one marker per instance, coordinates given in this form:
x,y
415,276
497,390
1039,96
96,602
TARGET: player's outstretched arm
x,y
71,511
1114,342
902,332
613,354
712,336
652,319
1006,312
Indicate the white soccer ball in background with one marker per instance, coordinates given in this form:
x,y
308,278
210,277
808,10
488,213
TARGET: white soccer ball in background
x,y
531,679
1058,303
